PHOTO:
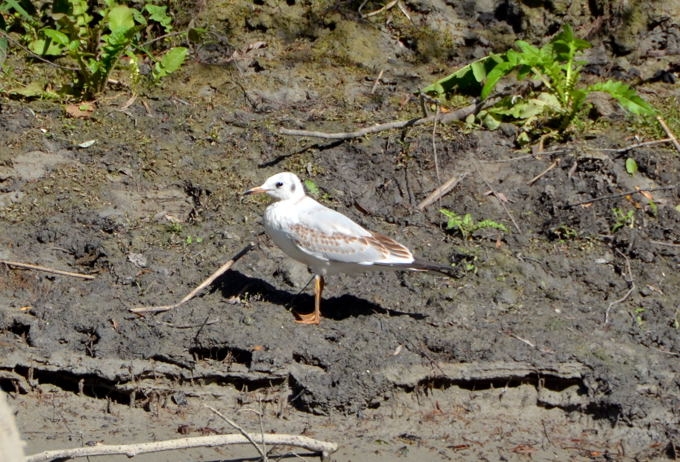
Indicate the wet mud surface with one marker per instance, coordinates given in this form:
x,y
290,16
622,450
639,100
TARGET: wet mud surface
x,y
560,339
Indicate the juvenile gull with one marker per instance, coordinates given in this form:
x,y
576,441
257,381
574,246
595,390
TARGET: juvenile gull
x,y
327,241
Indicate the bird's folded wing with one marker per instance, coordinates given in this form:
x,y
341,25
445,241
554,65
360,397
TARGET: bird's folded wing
x,y
329,235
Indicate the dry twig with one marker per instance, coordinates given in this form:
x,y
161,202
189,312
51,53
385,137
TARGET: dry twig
x,y
534,156
555,163
666,244
131,450
623,194
390,5
261,450
635,146
201,286
670,134
45,269
631,284
434,143
377,81
441,191
442,118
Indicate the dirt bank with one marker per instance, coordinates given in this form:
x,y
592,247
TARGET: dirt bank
x,y
559,340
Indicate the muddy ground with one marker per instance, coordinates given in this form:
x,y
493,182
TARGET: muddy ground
x,y
560,339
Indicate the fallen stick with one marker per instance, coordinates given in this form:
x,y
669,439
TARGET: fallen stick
x,y
441,191
631,286
442,118
201,286
262,450
384,8
623,194
635,146
670,134
131,450
46,270
544,172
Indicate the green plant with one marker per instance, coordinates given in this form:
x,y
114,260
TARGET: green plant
x,y
315,191
638,314
551,106
622,218
563,233
174,228
192,240
96,39
312,188
653,209
466,225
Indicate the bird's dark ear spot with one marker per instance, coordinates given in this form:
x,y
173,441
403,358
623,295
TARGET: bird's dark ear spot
x,y
292,188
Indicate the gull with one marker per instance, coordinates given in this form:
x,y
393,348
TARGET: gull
x,y
327,241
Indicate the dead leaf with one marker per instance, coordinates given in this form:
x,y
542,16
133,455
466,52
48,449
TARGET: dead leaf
x,y
646,194
129,102
80,110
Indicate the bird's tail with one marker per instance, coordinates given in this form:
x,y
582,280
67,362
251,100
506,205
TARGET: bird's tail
x,y
422,265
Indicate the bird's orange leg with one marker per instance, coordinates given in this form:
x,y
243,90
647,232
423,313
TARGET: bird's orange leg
x,y
315,317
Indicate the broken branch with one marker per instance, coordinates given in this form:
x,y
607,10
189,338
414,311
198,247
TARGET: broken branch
x,y
443,118
201,286
247,436
670,134
46,270
616,196
441,191
131,450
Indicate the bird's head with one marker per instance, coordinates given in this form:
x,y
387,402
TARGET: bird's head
x,y
281,186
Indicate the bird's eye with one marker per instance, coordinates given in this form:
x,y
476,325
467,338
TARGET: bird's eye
x,y
279,184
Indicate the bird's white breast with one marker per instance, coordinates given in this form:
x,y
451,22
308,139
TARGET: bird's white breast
x,y
279,218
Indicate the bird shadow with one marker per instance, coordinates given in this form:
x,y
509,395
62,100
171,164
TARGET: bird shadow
x,y
233,284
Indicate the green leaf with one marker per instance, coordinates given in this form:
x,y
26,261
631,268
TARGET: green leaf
x,y
478,70
631,166
45,48
494,76
529,51
35,89
170,62
467,80
174,58
19,9
448,213
490,121
120,19
492,224
159,14
626,96
312,188
139,17
57,37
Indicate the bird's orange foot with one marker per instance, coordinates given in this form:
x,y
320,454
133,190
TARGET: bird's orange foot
x,y
308,318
